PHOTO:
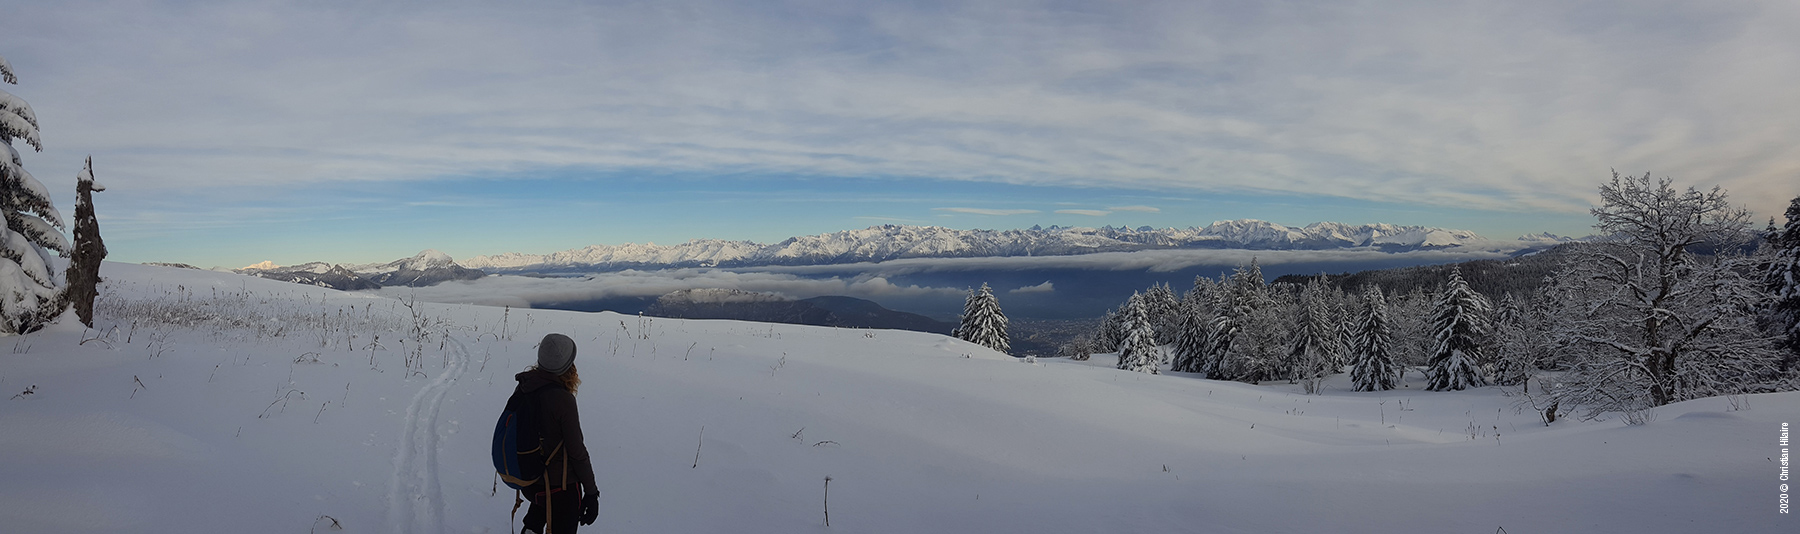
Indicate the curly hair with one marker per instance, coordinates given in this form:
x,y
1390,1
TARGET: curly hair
x,y
571,379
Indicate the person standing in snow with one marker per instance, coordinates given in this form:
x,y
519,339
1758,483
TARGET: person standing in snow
x,y
566,500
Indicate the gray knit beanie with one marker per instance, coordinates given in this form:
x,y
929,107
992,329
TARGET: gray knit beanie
x,y
556,353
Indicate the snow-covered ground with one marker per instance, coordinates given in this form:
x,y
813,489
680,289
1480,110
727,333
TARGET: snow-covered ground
x,y
211,402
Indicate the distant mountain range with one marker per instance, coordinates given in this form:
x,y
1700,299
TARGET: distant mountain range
x,y
423,269
892,242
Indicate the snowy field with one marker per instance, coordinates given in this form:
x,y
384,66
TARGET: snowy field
x,y
210,402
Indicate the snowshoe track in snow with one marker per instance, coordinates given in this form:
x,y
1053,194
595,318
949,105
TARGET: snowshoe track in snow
x,y
415,498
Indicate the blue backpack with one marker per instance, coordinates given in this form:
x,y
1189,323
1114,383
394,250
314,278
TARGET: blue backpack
x,y
519,457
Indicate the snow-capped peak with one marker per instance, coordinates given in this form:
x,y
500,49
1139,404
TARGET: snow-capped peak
x,y
1547,237
264,266
427,259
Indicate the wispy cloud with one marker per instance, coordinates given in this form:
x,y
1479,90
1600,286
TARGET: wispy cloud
x,y
1144,209
985,211
1090,213
1045,287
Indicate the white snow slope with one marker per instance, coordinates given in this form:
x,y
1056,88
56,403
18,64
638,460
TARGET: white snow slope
x,y
212,402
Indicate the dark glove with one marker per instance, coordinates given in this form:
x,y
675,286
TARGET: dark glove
x,y
590,507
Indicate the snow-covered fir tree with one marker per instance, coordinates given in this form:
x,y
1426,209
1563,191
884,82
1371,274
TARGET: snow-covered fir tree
x,y
1649,321
1459,325
1509,310
84,263
982,321
1251,337
1111,331
1259,351
1518,343
1199,312
1372,367
1205,293
1314,352
28,294
1164,311
1220,336
1783,282
1238,295
1138,352
1343,314
1190,342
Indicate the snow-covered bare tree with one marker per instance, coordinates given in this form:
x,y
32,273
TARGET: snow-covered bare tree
x,y
1372,367
1138,352
84,263
1648,320
1459,327
1411,314
982,321
1783,283
28,294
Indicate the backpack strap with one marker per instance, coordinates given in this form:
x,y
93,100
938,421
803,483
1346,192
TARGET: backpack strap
x,y
518,499
549,500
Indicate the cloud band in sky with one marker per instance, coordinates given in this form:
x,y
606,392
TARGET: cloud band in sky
x,y
1518,107
1455,103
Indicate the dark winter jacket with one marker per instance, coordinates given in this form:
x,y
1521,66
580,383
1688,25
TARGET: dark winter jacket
x,y
559,423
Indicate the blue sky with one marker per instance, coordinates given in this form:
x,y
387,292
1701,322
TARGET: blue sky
x,y
358,131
